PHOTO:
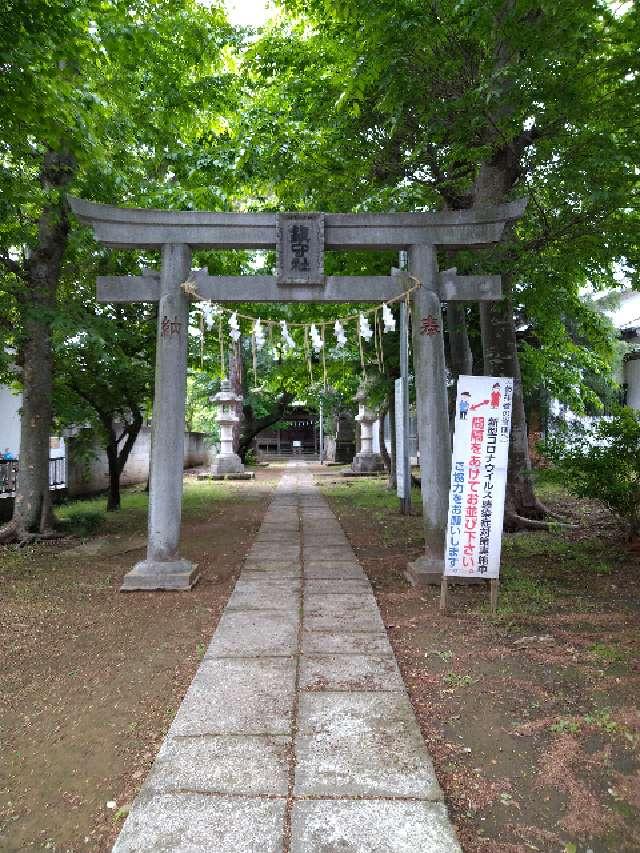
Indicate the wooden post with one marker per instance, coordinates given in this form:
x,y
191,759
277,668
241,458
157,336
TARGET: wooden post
x,y
444,591
494,584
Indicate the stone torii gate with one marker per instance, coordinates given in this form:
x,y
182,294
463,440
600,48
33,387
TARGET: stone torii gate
x,y
300,240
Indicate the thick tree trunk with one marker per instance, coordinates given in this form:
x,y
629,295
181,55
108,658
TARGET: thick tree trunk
x,y
501,359
116,458
32,514
113,496
252,426
500,350
460,355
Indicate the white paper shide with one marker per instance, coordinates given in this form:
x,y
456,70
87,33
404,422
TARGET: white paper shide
x,y
478,476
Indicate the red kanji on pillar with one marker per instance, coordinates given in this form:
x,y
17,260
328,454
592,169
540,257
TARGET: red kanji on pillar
x,y
430,326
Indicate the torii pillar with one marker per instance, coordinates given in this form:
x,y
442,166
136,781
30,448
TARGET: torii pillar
x,y
432,412
164,568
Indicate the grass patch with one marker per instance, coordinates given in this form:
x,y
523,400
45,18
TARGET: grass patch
x,y
609,654
367,493
563,727
561,555
521,592
454,679
89,516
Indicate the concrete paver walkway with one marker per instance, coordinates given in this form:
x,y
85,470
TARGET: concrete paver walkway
x,y
297,733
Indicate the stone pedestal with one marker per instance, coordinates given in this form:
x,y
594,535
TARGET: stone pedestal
x,y
149,575
366,461
428,572
227,462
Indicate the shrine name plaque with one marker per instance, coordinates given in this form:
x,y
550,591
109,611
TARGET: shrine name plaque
x,y
300,248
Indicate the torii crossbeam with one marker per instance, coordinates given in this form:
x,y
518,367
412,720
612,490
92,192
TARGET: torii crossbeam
x,y
300,240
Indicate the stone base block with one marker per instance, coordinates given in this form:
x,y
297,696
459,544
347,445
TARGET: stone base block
x,y
425,571
227,465
243,475
150,575
369,463
428,572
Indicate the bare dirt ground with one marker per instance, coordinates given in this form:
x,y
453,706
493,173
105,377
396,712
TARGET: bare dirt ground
x,y
91,678
531,718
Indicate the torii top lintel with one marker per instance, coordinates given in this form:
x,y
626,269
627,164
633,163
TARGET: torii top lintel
x,y
142,228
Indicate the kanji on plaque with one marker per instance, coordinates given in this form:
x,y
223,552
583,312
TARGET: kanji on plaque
x,y
478,476
300,248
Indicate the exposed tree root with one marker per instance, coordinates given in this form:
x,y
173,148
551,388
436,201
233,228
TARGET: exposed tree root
x,y
514,522
10,534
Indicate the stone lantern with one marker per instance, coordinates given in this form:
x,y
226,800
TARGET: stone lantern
x,y
366,461
227,462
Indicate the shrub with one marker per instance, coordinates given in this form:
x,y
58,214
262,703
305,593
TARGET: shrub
x,y
84,522
602,461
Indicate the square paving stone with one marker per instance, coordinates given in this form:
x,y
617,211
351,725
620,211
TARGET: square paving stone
x,y
326,826
283,519
238,696
325,540
342,585
361,744
327,553
274,551
263,597
284,538
337,569
255,634
350,672
345,643
345,611
190,823
272,575
222,764
316,532
282,568
260,581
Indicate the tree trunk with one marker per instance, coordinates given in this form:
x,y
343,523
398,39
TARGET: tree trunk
x,y
460,355
497,325
113,497
252,426
117,459
32,513
501,359
393,472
